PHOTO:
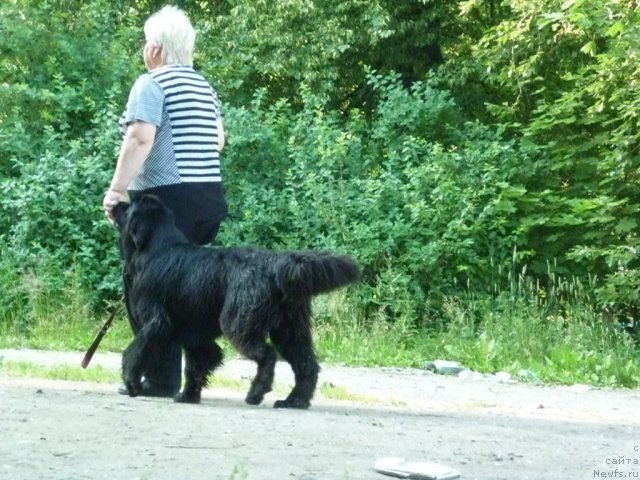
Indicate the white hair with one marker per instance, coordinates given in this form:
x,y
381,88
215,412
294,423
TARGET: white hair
x,y
171,29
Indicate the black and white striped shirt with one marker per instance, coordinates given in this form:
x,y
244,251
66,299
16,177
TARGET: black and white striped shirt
x,y
185,108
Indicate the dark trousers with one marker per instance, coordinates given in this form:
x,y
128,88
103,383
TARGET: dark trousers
x,y
199,208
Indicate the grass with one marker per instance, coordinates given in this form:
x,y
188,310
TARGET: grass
x,y
21,369
99,374
549,335
335,392
239,472
64,327
552,334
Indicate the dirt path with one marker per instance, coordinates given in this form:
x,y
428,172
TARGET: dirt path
x,y
483,428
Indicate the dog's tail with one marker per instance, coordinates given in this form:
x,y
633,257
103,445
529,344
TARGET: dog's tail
x,y
304,274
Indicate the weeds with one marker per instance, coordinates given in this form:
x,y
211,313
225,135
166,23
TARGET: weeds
x,y
549,330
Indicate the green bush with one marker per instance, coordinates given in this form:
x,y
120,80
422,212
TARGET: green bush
x,y
65,74
423,200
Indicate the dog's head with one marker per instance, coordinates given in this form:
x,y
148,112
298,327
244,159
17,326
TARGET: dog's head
x,y
119,213
140,219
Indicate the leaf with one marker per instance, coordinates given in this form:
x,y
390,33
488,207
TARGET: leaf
x,y
589,48
549,18
615,29
626,225
467,6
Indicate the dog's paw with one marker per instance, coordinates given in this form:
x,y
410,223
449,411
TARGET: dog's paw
x,y
254,399
133,387
185,397
292,403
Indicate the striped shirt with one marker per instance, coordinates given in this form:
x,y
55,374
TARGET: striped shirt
x,y
185,108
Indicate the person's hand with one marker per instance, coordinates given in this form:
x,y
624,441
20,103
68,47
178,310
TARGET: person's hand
x,y
111,199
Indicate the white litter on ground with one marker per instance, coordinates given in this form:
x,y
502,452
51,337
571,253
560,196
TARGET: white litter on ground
x,y
399,468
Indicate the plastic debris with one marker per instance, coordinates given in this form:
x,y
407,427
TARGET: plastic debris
x,y
444,367
399,468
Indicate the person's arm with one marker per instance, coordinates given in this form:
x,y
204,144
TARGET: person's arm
x,y
221,138
135,149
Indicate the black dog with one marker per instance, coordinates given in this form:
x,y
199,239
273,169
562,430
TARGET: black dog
x,y
192,294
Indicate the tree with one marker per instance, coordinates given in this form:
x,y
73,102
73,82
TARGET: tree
x,y
322,44
560,73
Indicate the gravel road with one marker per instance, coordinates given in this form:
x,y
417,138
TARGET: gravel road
x,y
483,428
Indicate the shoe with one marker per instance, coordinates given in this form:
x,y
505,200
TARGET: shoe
x,y
152,390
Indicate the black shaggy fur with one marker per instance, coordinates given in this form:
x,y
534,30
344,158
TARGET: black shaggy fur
x,y
194,295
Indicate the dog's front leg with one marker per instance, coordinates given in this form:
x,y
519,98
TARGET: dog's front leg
x,y
136,357
132,368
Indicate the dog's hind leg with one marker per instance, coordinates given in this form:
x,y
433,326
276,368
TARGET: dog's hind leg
x,y
201,361
265,356
245,329
294,342
244,321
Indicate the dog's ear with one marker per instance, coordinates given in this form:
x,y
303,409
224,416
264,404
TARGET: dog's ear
x,y
139,229
119,213
146,213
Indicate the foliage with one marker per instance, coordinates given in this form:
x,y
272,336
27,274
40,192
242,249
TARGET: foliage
x,y
58,69
62,81
438,142
423,199
563,71
321,44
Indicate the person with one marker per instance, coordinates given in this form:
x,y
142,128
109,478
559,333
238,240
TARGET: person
x,y
172,138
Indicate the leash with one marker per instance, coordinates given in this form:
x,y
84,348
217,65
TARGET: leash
x,y
101,333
